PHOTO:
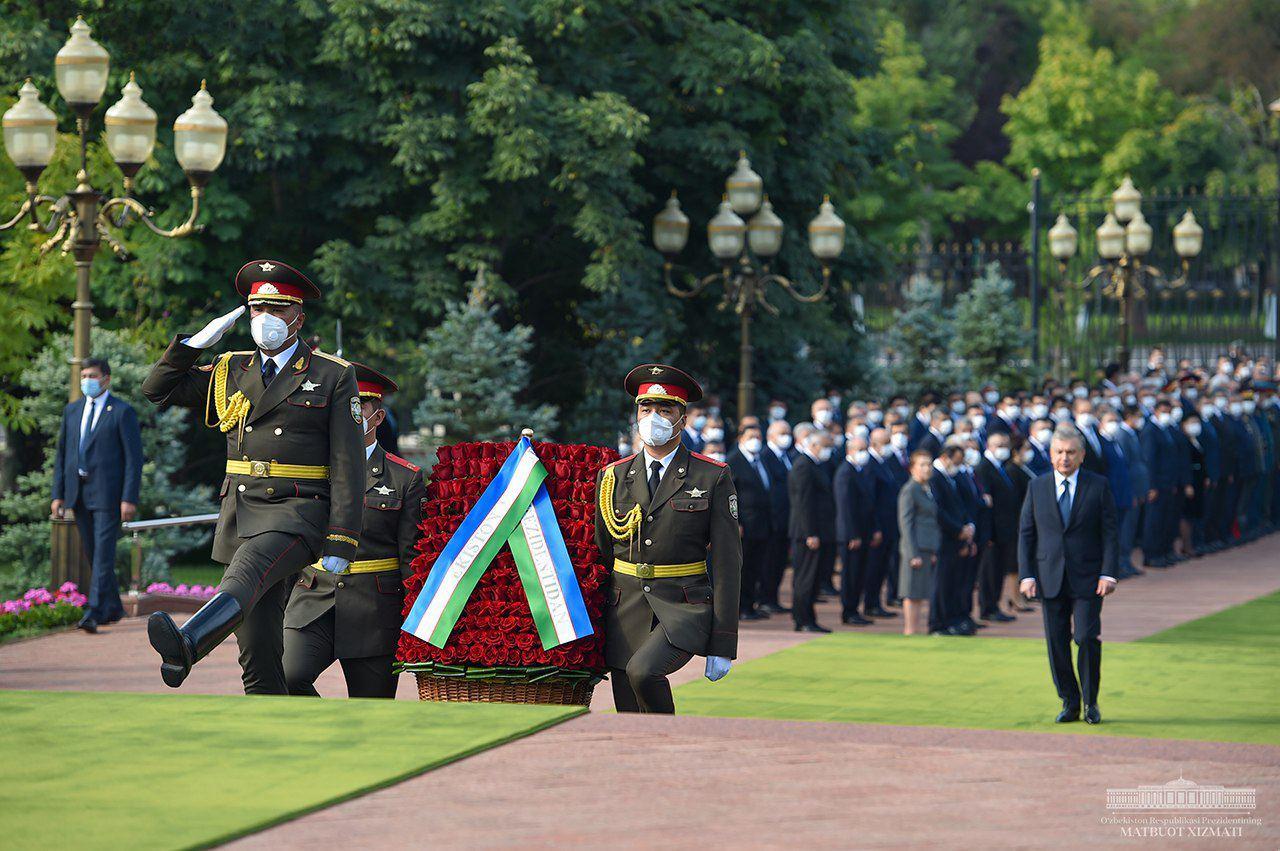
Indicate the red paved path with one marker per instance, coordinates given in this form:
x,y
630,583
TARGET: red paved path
x,y
709,783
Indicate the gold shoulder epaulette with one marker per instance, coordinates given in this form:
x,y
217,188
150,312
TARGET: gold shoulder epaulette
x,y
333,358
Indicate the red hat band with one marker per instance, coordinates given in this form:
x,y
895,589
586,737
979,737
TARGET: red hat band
x,y
668,392
275,291
370,388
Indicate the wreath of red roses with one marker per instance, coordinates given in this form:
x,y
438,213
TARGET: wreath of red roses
x,y
496,627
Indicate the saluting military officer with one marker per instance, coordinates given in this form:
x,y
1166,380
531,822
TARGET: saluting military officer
x,y
294,489
354,617
667,525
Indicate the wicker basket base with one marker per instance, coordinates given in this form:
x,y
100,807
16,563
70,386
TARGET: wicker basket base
x,y
553,690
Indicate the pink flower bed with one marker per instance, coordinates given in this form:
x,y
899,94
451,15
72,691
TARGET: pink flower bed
x,y
68,593
202,592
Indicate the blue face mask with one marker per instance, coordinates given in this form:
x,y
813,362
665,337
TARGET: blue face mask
x,y
90,386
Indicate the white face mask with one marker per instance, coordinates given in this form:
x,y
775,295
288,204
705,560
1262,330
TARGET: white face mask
x,y
783,441
876,416
957,407
1236,409
824,454
822,416
1043,436
1193,429
1220,403
1148,401
971,456
1138,424
1084,420
1131,399
861,457
1080,392
751,444
655,430
713,435
991,396
365,421
1176,413
1164,418
1000,453
1039,412
269,331
898,440
861,431
777,412
1110,428
1249,406
902,411
978,420
944,427
1028,457
1013,412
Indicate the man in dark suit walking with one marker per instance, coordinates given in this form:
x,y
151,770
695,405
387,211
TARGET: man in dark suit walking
x,y
812,527
751,479
97,473
1068,556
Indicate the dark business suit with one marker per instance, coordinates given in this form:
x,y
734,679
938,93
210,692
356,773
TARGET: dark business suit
x,y
855,521
1040,462
951,521
979,515
1001,556
885,497
1066,560
1095,460
754,512
813,515
778,551
111,456
1157,453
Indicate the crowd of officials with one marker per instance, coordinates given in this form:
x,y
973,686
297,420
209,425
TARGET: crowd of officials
x,y
1191,452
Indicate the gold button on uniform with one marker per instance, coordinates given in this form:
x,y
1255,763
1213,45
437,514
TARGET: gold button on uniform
x,y
270,491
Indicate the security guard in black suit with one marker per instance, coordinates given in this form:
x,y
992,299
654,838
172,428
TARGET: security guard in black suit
x,y
294,489
354,617
667,526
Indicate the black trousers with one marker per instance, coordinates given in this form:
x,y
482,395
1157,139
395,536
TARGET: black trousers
x,y
99,531
643,686
260,577
309,650
995,561
776,555
892,564
964,587
853,577
755,561
942,599
806,565
877,564
1085,613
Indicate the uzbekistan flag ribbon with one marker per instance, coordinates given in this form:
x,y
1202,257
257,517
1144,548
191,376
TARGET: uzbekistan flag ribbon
x,y
514,509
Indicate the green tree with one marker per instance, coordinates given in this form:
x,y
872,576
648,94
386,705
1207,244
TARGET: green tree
x,y
24,537
475,371
920,343
990,332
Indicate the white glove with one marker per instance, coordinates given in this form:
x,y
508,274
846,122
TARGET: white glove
x,y
717,667
335,564
212,333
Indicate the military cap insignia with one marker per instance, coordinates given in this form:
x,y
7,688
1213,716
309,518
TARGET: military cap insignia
x,y
309,385
268,289
733,505
655,370
694,493
355,410
267,267
657,388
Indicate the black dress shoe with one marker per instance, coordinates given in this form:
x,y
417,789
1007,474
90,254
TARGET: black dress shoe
x,y
829,591
971,624
999,617
752,616
1069,713
855,620
961,629
894,602
88,624
812,627
1092,715
775,609
881,613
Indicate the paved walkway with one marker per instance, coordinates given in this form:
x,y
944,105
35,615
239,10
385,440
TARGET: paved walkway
x,y
637,781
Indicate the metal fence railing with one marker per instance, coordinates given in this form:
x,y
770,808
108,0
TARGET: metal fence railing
x,y
136,527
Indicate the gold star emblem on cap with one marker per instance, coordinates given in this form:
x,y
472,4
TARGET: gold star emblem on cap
x,y
309,385
266,267
694,493
655,370
383,489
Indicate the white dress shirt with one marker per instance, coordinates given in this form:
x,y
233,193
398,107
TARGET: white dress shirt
x,y
281,358
1073,481
93,406
665,462
368,450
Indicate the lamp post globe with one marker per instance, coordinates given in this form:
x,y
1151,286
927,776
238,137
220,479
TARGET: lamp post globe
x,y
764,232
200,138
1188,236
1110,235
671,228
1063,239
1138,235
726,233
826,232
81,70
30,132
1126,199
131,129
744,188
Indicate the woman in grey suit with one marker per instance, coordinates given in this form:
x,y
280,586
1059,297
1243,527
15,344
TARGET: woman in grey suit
x,y
919,539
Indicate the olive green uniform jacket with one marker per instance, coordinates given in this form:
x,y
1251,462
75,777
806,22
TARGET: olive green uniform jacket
x,y
692,517
367,606
309,415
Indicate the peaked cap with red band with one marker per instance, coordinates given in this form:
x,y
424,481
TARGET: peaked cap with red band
x,y
371,383
273,282
659,382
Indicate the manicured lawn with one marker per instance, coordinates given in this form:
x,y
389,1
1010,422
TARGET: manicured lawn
x,y
1213,679
196,573
169,771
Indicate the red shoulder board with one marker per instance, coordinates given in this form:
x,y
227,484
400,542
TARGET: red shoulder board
x,y
702,457
624,460
396,459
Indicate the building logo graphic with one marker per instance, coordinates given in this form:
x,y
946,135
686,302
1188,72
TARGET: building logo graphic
x,y
1182,795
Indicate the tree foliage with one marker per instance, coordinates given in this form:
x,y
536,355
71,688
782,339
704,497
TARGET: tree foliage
x,y
922,343
990,331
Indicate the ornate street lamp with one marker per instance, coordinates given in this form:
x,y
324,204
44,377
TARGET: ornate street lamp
x,y
1123,273
744,250
80,220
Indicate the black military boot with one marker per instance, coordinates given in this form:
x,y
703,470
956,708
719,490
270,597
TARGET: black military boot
x,y
180,648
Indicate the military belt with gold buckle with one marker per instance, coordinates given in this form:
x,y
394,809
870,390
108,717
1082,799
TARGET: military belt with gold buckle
x,y
659,571
274,470
372,565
